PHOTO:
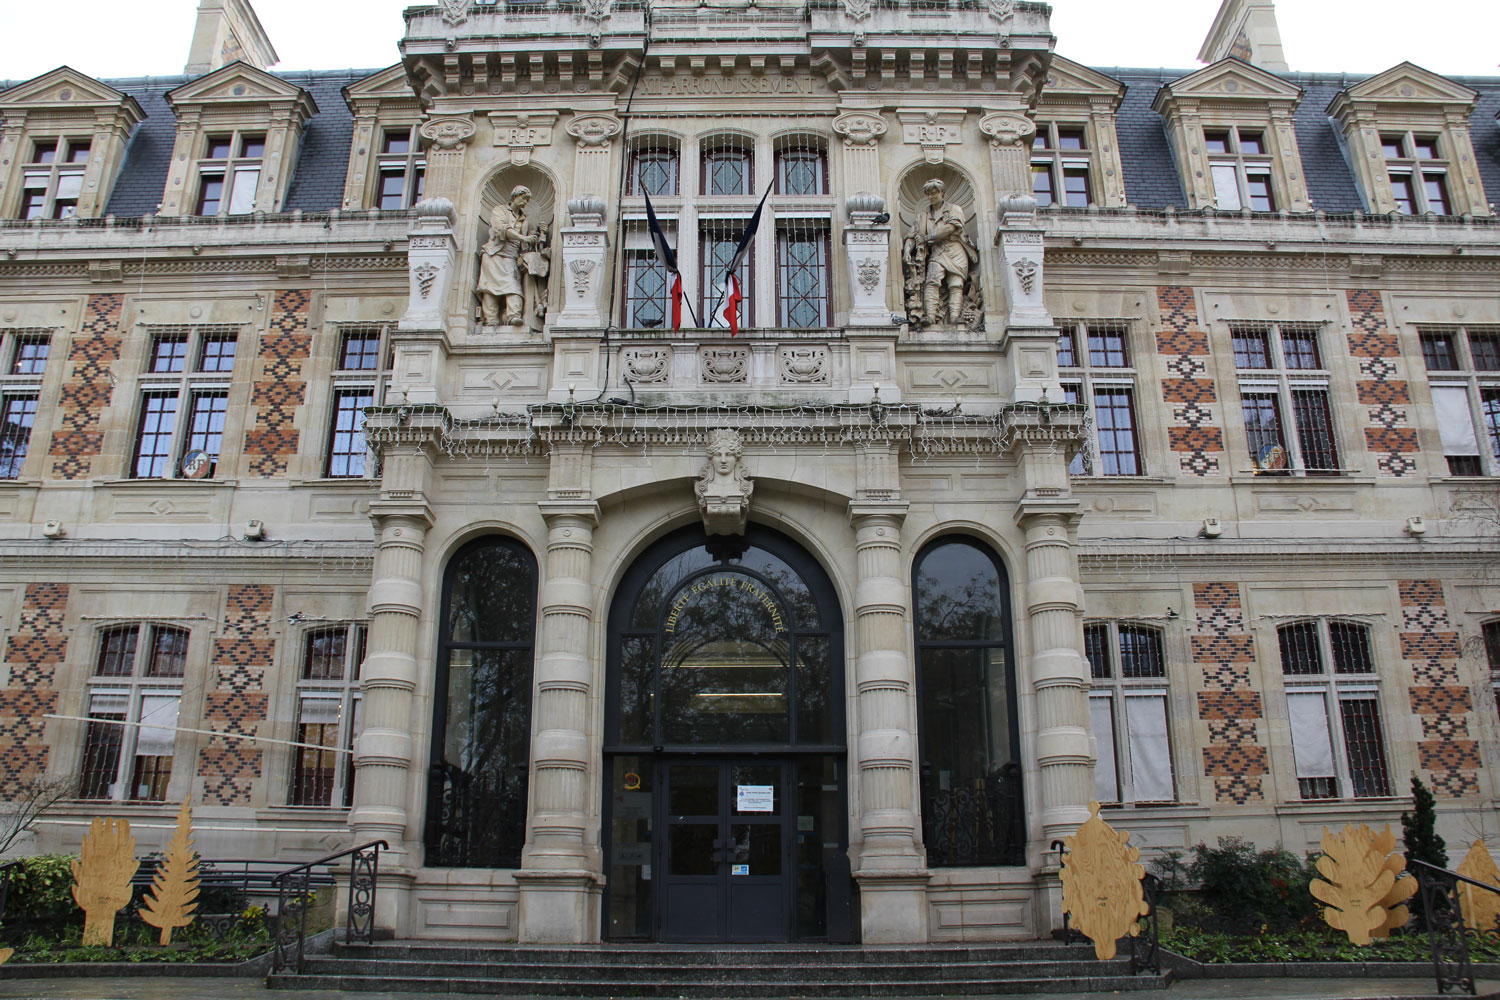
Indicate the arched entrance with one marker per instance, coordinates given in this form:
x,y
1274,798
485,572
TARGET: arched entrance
x,y
725,813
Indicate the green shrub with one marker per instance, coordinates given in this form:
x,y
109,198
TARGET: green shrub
x,y
1238,887
40,899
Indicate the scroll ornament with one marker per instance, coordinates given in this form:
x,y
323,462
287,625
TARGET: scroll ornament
x,y
174,887
1361,885
1101,884
1481,909
101,877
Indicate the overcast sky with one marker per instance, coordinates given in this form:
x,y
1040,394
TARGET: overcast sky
x,y
112,38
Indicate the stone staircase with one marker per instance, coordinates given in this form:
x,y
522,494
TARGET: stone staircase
x,y
651,970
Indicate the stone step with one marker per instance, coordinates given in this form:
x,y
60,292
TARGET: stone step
x,y
703,989
701,955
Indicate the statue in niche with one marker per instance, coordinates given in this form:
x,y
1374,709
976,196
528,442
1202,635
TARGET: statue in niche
x,y
514,265
940,266
723,487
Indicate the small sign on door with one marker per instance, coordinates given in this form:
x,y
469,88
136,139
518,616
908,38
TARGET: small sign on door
x,y
739,869
755,798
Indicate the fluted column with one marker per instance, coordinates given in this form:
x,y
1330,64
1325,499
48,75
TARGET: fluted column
x,y
559,879
892,871
1059,672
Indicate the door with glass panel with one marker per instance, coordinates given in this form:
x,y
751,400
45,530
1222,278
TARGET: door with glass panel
x,y
725,813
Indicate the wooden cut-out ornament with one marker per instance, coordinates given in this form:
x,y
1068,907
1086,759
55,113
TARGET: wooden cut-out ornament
x,y
1481,909
174,887
1101,884
1361,888
102,875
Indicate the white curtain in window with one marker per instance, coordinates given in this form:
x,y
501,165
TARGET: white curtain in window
x,y
109,703
1150,754
1226,187
242,200
319,711
158,725
1311,746
1106,776
69,185
1455,422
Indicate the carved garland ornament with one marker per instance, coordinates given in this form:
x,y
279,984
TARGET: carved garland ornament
x,y
725,364
1007,128
593,131
647,365
804,365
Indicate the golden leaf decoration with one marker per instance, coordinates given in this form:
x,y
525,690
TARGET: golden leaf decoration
x,y
1101,884
1401,890
1481,909
174,887
101,877
1356,881
5,954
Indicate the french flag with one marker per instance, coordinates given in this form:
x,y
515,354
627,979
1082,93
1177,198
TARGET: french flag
x,y
732,303
669,261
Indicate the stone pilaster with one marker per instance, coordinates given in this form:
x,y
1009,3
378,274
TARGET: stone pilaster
x,y
867,251
891,872
449,137
861,131
1030,340
1010,135
559,886
421,340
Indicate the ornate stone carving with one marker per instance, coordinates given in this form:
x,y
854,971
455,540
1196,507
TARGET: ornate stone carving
x,y
804,365
940,266
426,274
1008,128
723,485
456,12
858,10
1003,11
521,133
594,130
869,273
581,269
1026,270
859,128
447,133
596,12
586,210
646,365
514,265
721,365
934,129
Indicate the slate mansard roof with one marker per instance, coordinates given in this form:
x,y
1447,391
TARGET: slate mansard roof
x,y
1151,180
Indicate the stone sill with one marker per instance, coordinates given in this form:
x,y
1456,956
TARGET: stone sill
x,y
175,483
1306,807
1297,481
1158,810
340,482
1095,483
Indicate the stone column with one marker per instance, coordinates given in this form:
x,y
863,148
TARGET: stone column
x,y
389,675
891,871
448,135
560,881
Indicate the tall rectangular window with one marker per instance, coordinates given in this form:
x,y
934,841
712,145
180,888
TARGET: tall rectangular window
x,y
1061,168
16,420
133,703
52,183
653,171
1284,399
362,370
1128,708
802,286
1241,169
801,169
1338,744
154,433
646,291
229,173
401,171
716,247
1463,370
346,447
1096,366
184,401
1417,172
727,171
328,715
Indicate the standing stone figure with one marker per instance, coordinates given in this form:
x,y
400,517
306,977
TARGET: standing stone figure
x,y
513,265
941,263
723,488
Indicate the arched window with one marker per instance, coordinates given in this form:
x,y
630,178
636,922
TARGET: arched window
x,y
481,720
972,808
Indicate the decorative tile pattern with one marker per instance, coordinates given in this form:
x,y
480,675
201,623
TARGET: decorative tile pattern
x,y
237,703
1196,437
89,389
32,653
1235,757
280,390
1389,436
1439,698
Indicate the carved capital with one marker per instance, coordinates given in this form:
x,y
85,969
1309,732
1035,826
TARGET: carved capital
x,y
860,128
594,131
1008,128
449,132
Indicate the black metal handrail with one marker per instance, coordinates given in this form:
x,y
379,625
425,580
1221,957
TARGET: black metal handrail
x,y
293,890
5,871
1145,947
1443,913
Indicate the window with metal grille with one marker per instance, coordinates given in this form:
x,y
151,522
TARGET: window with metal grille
x,y
646,291
1096,367
653,170
1338,743
1463,370
801,169
716,245
727,171
133,701
184,401
1284,399
802,280
1128,710
328,717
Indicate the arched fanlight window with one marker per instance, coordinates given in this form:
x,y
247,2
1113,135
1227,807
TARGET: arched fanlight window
x,y
972,807
481,720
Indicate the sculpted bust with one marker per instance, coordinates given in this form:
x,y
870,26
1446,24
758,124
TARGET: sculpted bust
x,y
723,487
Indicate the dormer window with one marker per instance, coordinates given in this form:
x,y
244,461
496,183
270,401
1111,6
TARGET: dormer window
x,y
1419,176
52,182
229,174
1060,169
403,170
1241,168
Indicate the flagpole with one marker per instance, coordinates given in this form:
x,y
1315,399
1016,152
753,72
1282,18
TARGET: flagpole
x,y
749,234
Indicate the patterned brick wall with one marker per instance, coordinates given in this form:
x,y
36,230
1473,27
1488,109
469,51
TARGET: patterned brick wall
x,y
237,703
1195,437
1235,758
88,390
32,654
280,390
1439,697
1389,436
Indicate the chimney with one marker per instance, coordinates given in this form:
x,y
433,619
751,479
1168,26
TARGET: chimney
x,y
1246,29
228,30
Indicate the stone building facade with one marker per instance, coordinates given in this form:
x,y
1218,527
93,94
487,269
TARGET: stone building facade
x,y
1149,458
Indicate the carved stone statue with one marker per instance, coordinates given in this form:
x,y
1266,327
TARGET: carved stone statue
x,y
940,265
514,265
723,487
